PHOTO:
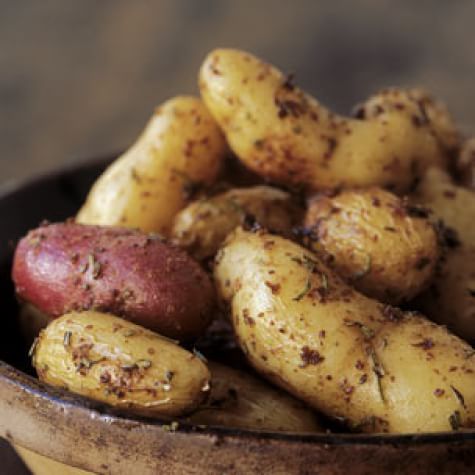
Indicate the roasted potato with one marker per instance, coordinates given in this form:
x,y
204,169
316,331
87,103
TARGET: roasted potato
x,y
114,361
382,245
465,165
64,267
451,298
452,204
181,148
238,399
285,135
345,354
202,226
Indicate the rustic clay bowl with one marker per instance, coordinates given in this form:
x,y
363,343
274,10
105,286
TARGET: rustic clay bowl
x,y
46,423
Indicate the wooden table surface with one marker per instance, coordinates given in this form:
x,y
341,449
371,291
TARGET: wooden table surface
x,y
79,79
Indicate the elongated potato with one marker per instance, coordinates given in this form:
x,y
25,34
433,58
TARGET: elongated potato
x,y
452,204
285,135
66,266
202,226
238,399
465,166
451,298
349,356
383,246
114,361
144,188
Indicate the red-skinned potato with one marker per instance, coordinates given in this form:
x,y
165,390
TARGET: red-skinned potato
x,y
71,267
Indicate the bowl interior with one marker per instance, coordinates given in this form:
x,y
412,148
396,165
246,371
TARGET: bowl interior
x,y
53,197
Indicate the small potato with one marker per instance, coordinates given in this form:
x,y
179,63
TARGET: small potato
x,y
344,354
465,166
144,188
383,246
450,300
285,135
64,267
238,399
114,361
452,204
202,226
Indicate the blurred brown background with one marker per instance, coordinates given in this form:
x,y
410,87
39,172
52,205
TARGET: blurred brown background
x,y
80,78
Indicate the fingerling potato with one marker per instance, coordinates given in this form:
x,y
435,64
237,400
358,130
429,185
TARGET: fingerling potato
x,y
349,356
285,135
66,266
450,300
202,226
452,204
238,399
114,361
385,247
145,187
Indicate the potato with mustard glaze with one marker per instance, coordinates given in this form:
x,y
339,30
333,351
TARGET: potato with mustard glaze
x,y
202,226
378,242
238,399
181,147
114,361
349,356
285,135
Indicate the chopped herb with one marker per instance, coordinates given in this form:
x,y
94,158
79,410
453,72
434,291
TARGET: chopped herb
x,y
459,396
311,266
304,291
145,364
169,375
378,370
366,269
199,355
454,420
367,332
94,265
67,338
33,347
172,427
128,333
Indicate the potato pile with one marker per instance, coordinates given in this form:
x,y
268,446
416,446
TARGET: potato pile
x,y
318,238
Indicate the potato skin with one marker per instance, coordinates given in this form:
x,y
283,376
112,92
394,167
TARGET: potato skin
x,y
122,364
146,186
66,266
386,248
346,355
285,135
238,399
451,298
202,226
450,203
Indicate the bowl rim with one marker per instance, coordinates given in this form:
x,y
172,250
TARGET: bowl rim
x,y
23,382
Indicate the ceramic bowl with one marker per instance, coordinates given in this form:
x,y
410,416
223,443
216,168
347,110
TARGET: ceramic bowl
x,y
55,431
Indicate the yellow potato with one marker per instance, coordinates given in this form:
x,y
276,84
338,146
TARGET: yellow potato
x,y
181,147
452,204
386,248
450,300
117,362
202,226
238,399
285,135
346,355
465,165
